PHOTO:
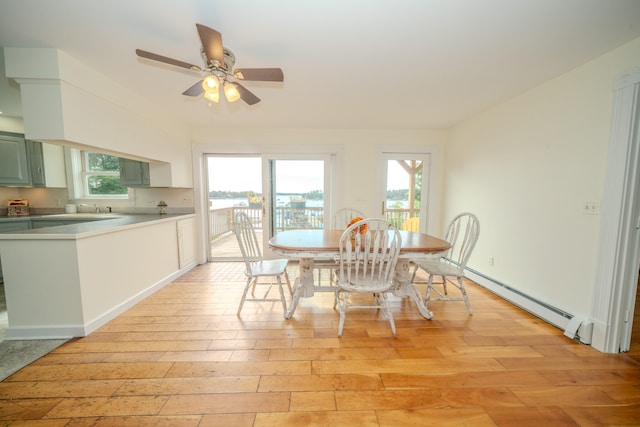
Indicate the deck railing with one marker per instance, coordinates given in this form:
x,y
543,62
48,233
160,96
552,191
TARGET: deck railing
x,y
287,218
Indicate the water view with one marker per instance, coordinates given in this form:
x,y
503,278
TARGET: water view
x,y
281,201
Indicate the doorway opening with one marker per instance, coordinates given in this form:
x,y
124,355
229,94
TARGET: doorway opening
x,y
404,197
276,193
234,184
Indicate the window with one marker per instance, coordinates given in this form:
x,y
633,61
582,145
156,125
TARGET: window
x,y
101,175
92,175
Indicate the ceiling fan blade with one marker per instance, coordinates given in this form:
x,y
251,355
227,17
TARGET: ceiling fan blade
x,y
212,44
246,95
155,57
194,90
259,74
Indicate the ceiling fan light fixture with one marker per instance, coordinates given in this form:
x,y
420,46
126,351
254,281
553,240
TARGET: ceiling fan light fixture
x,y
210,83
212,95
219,70
231,92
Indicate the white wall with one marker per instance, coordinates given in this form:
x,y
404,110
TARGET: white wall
x,y
64,100
359,164
11,124
526,167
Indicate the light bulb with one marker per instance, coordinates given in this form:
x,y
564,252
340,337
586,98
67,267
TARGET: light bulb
x,y
212,95
231,92
210,83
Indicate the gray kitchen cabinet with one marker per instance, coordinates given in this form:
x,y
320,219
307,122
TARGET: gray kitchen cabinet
x,y
46,165
42,223
134,173
30,163
36,163
7,226
54,222
14,166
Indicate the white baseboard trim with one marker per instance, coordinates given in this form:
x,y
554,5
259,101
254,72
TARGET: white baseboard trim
x,y
50,332
55,332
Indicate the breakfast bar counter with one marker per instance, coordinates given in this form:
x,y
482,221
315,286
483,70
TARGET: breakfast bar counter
x,y
68,280
80,225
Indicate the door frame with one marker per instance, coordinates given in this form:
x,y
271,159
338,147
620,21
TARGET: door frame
x,y
431,217
267,186
199,153
619,247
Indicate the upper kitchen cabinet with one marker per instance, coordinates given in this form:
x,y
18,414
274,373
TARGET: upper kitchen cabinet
x,y
26,163
14,167
134,173
36,163
55,173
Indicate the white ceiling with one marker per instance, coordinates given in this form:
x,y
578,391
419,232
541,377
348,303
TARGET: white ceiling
x,y
347,63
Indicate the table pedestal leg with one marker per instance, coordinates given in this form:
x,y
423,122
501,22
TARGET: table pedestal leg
x,y
404,288
303,286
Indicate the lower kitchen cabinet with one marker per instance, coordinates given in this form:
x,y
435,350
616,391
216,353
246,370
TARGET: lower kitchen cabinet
x,y
186,241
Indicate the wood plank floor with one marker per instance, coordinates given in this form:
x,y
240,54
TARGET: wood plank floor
x,y
183,358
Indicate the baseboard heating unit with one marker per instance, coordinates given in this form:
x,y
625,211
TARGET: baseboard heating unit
x,y
574,327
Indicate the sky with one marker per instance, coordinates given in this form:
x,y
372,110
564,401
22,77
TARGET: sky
x,y
292,176
244,174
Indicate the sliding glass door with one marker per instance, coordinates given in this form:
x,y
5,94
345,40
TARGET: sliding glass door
x,y
277,192
297,194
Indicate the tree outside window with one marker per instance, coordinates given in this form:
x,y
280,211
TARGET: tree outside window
x,y
102,175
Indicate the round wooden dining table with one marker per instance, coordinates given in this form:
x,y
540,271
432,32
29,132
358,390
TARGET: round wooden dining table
x,y
310,245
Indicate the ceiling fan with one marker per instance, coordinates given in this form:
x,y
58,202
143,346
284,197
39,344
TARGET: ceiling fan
x,y
218,67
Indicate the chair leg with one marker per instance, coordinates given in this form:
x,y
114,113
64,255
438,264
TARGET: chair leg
x,y
342,305
282,298
413,276
244,293
253,288
383,302
286,276
465,297
427,294
444,285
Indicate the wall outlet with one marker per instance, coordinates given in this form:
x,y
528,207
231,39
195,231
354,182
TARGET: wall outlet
x,y
591,208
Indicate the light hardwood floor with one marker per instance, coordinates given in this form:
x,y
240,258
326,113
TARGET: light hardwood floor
x,y
183,358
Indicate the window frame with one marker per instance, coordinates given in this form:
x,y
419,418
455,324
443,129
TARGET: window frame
x,y
77,176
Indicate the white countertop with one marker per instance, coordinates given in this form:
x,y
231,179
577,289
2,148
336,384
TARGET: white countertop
x,y
96,224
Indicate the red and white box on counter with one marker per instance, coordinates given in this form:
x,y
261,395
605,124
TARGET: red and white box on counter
x,y
18,207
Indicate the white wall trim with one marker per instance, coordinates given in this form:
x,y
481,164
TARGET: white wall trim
x,y
618,245
199,151
434,190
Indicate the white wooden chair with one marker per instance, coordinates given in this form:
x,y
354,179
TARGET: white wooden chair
x,y
462,233
339,221
342,217
256,267
367,265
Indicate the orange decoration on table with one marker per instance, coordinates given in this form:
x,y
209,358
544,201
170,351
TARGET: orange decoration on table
x,y
362,228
